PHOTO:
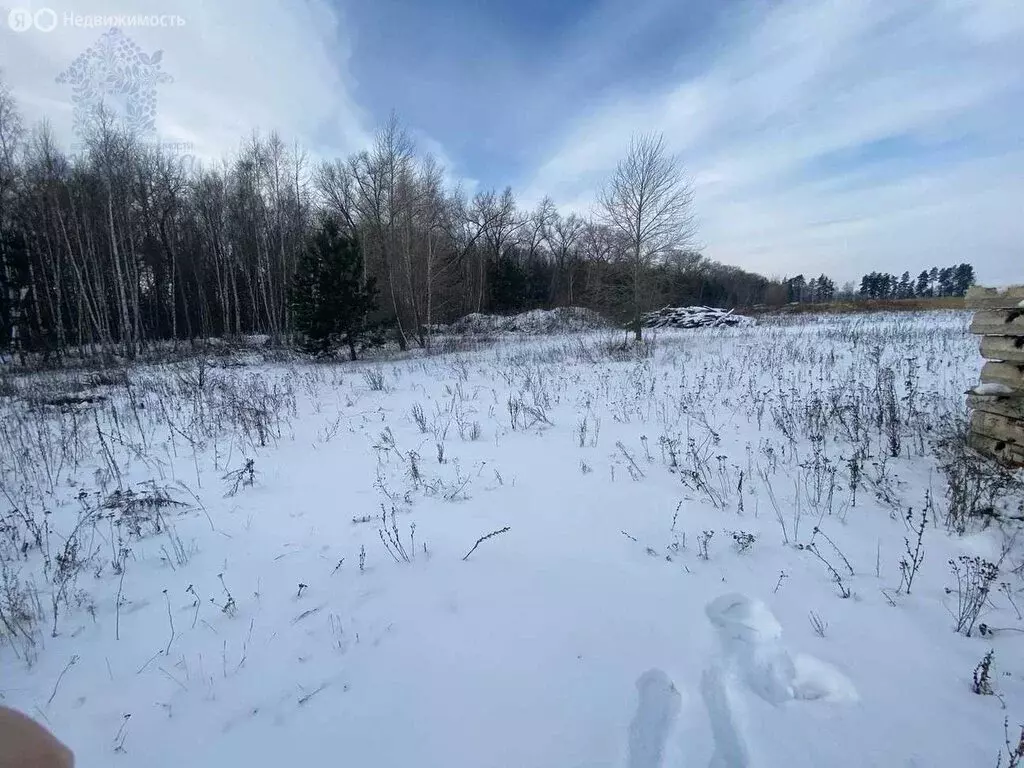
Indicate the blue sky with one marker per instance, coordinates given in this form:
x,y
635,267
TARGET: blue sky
x,y
838,136
494,82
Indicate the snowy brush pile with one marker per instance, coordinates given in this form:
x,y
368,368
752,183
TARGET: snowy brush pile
x,y
536,322
694,317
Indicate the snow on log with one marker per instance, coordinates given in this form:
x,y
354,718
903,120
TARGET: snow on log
x,y
994,298
997,403
694,317
1009,349
1007,374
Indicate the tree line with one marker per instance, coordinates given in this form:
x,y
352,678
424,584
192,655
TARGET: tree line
x,y
817,290
944,281
121,246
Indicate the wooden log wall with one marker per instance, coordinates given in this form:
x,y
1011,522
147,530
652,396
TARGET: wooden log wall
x,y
997,403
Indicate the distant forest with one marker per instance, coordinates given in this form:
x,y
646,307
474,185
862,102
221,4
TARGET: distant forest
x,y
948,281
121,246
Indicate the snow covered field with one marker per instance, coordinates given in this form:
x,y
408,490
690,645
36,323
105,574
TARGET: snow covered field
x,y
699,562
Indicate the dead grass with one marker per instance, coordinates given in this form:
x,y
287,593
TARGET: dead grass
x,y
865,306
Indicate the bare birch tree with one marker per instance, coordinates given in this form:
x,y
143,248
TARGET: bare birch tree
x,y
649,200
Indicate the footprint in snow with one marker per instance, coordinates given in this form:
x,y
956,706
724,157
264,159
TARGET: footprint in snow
x,y
658,704
754,660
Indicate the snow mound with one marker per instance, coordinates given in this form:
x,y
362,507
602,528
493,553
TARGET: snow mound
x,y
754,666
818,681
751,638
536,322
738,617
694,317
254,341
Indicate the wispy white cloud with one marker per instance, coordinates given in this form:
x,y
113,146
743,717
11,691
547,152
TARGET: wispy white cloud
x,y
237,67
764,124
823,135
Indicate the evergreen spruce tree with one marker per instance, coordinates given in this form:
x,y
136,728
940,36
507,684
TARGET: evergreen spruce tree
x,y
946,287
923,287
330,298
964,278
906,287
826,289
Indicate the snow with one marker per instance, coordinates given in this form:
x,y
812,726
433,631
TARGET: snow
x,y
591,633
991,388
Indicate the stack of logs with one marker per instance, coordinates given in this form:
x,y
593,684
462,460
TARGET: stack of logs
x,y
997,420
